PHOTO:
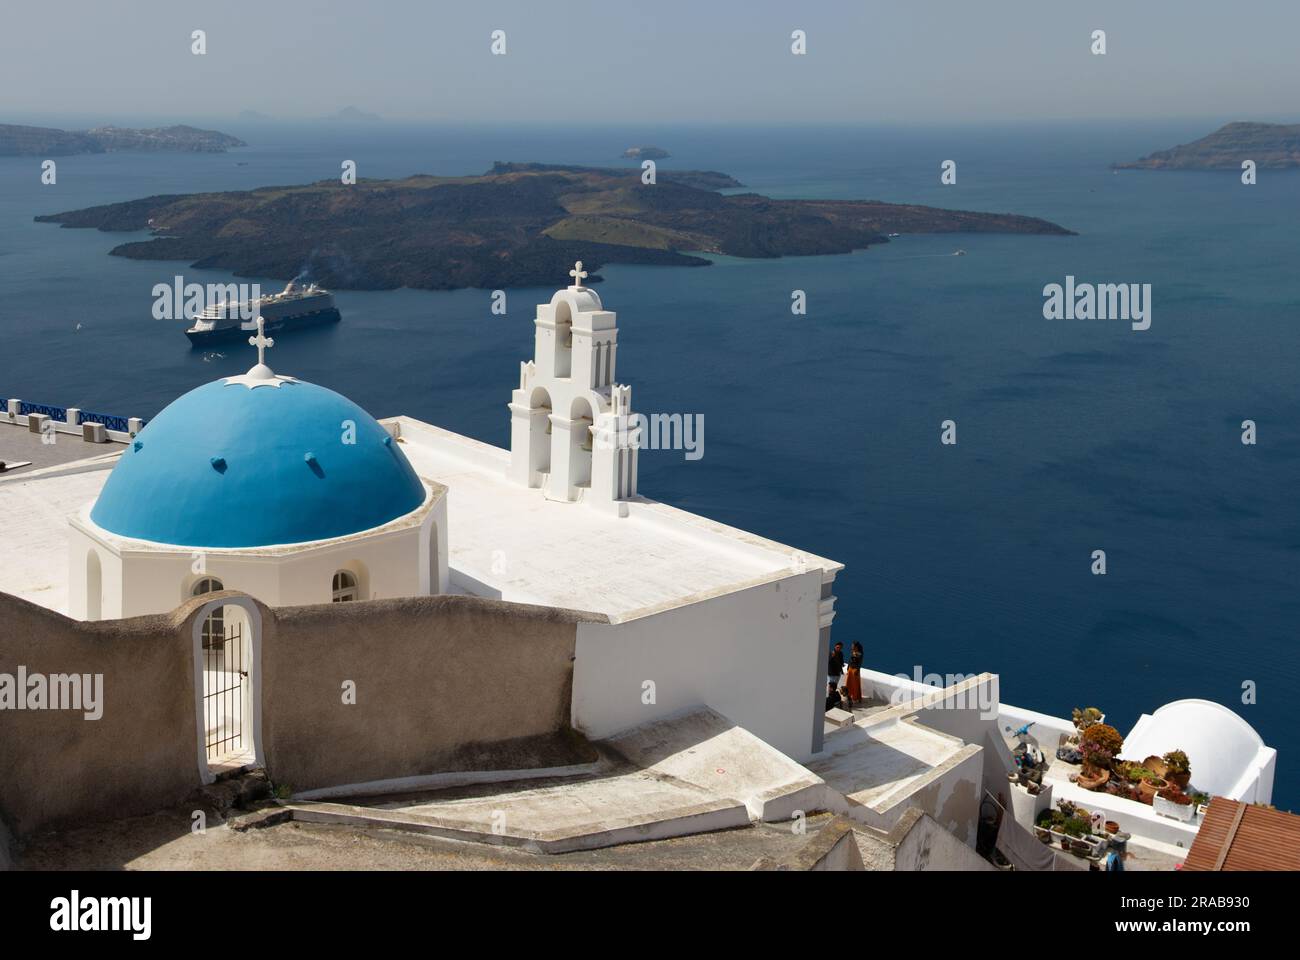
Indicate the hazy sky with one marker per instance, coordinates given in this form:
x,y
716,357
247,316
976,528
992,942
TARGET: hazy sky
x,y
660,61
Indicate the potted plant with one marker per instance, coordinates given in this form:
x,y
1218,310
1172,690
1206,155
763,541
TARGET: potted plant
x,y
1149,786
1156,765
1172,802
1048,821
1074,828
1094,780
1099,744
1086,717
1178,769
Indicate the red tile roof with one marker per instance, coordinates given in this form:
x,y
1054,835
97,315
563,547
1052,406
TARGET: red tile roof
x,y
1241,836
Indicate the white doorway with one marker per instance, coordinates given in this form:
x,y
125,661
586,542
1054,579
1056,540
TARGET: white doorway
x,y
227,653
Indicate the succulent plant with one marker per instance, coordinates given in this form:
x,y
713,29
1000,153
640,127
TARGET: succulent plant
x,y
1177,761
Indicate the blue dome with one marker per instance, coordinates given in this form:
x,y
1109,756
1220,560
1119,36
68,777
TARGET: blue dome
x,y
229,466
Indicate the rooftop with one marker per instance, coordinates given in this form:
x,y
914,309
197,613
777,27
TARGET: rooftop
x,y
36,501
18,445
506,541
1244,836
511,543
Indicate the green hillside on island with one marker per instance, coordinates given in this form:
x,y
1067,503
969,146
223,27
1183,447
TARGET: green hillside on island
x,y
516,225
1273,146
21,141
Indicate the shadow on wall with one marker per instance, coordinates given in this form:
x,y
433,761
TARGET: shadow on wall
x,y
349,692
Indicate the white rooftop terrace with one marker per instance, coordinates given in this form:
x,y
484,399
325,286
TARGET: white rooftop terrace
x,y
510,542
506,541
34,511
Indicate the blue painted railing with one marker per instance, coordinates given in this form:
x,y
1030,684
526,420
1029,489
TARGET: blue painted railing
x,y
110,423
54,413
119,424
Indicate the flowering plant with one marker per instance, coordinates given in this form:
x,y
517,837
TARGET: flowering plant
x,y
1100,743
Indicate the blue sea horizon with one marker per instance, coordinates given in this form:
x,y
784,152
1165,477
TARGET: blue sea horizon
x,y
822,431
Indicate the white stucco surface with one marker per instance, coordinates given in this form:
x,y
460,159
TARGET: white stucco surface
x,y
1228,758
876,765
34,533
512,542
754,655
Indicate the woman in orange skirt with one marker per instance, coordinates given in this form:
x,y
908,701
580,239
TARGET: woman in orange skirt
x,y
853,683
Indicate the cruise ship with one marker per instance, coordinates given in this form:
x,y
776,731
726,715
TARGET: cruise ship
x,y
293,307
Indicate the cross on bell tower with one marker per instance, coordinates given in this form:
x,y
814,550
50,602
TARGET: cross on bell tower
x,y
578,275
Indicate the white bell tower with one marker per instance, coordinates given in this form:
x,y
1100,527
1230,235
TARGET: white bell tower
x,y
569,419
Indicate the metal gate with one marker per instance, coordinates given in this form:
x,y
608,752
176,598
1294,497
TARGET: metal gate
x,y
224,678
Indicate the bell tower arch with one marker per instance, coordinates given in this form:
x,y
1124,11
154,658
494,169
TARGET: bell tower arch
x,y
569,400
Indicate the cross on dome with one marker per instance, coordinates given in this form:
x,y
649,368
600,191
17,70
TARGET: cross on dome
x,y
261,341
578,275
261,375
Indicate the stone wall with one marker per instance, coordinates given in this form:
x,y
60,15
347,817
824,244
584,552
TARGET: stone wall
x,y
442,684
56,766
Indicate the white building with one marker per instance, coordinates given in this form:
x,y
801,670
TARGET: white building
x,y
289,492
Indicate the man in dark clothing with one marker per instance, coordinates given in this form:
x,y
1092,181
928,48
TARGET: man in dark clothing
x,y
832,697
835,666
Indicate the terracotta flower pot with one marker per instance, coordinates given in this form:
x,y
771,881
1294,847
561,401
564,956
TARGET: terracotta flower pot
x,y
1181,779
1156,765
1112,826
1095,780
1147,789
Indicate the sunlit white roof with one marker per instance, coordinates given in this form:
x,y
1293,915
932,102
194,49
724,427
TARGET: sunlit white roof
x,y
1225,752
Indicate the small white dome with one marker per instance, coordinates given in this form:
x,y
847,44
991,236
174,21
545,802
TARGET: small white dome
x,y
1221,746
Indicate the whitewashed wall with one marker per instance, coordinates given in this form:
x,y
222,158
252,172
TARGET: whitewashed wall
x,y
754,656
396,563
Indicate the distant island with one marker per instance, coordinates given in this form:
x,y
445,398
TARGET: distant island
x,y
519,224
354,115
346,115
1273,146
20,141
646,153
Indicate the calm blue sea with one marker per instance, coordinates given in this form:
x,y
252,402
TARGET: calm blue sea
x,y
823,430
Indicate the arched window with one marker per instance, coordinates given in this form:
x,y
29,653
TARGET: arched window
x,y
214,627
206,585
345,586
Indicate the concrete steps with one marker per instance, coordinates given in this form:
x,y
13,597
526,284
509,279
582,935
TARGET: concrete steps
x,y
693,773
599,819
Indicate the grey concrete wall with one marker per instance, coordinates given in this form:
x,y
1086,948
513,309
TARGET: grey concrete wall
x,y
56,767
928,846
916,843
955,715
950,793
442,683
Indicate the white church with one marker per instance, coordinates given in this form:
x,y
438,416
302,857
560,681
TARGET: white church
x,y
291,494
